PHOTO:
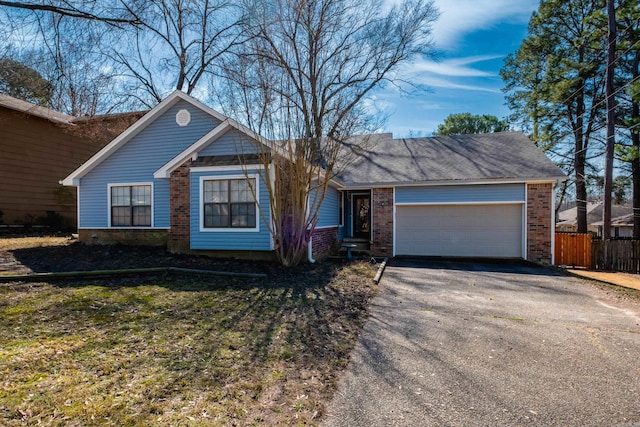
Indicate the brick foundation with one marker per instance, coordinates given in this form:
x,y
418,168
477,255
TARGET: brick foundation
x,y
382,239
325,241
124,237
539,227
180,209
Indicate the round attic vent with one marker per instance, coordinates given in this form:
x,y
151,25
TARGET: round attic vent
x,y
183,117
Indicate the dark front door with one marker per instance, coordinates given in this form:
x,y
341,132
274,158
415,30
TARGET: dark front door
x,y
362,216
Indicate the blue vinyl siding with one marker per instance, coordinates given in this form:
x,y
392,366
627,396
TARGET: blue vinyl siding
x,y
232,142
461,194
137,160
232,240
328,214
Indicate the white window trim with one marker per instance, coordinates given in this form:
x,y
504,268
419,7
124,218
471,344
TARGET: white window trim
x,y
198,169
204,229
129,184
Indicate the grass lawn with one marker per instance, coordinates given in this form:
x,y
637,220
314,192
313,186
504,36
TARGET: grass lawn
x,y
142,351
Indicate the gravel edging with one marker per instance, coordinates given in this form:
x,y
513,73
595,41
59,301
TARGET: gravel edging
x,y
124,272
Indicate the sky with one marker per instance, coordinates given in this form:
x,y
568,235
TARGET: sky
x,y
472,38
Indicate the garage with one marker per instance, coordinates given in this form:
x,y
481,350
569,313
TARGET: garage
x,y
464,221
460,230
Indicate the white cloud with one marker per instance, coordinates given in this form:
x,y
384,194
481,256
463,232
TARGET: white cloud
x,y
436,82
452,73
458,17
455,67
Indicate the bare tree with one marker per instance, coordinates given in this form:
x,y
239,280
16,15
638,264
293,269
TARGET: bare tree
x,y
149,47
302,79
65,50
175,43
81,78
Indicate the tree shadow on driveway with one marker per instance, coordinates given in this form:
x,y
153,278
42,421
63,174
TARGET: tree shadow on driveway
x,y
475,265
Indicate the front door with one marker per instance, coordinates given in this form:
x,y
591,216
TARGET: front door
x,y
362,216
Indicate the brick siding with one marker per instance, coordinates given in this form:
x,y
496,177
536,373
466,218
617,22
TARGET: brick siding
x,y
134,236
382,202
325,241
180,209
539,227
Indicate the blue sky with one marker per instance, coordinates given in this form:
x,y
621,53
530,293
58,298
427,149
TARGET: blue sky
x,y
472,38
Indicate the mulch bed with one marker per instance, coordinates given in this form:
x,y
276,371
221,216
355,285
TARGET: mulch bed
x,y
76,256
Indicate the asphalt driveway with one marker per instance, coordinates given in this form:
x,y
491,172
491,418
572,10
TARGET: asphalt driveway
x,y
481,344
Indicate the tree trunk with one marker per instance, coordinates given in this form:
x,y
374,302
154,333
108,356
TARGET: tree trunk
x,y
635,163
611,121
580,161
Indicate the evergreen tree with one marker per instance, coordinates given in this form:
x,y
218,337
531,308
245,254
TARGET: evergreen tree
x,y
555,85
467,123
22,82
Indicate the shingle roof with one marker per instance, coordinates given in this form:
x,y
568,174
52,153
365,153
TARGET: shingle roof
x,y
621,221
34,110
494,156
594,213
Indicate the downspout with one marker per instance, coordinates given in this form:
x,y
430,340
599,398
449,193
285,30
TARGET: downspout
x,y
310,251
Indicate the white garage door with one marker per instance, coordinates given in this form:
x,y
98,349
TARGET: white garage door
x,y
460,230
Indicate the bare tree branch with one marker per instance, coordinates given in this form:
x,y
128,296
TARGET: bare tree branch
x,y
69,11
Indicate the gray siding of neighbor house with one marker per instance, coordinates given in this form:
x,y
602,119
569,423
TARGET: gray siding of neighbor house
x,y
137,160
482,193
228,240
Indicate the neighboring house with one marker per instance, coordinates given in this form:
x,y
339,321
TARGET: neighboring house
x,y
621,226
179,176
567,219
37,147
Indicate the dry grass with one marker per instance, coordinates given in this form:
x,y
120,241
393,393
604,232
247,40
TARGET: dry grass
x,y
199,352
627,280
10,243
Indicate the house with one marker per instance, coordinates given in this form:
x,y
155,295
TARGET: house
x,y
621,226
621,217
179,177
37,147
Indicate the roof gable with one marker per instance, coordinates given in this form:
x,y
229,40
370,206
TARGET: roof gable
x,y
245,144
136,129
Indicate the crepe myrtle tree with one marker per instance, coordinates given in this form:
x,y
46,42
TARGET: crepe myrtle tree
x,y
302,80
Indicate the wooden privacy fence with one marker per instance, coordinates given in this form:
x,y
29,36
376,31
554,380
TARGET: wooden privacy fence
x,y
573,249
584,250
616,255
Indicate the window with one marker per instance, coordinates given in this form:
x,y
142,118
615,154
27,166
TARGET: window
x,y
229,203
131,206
